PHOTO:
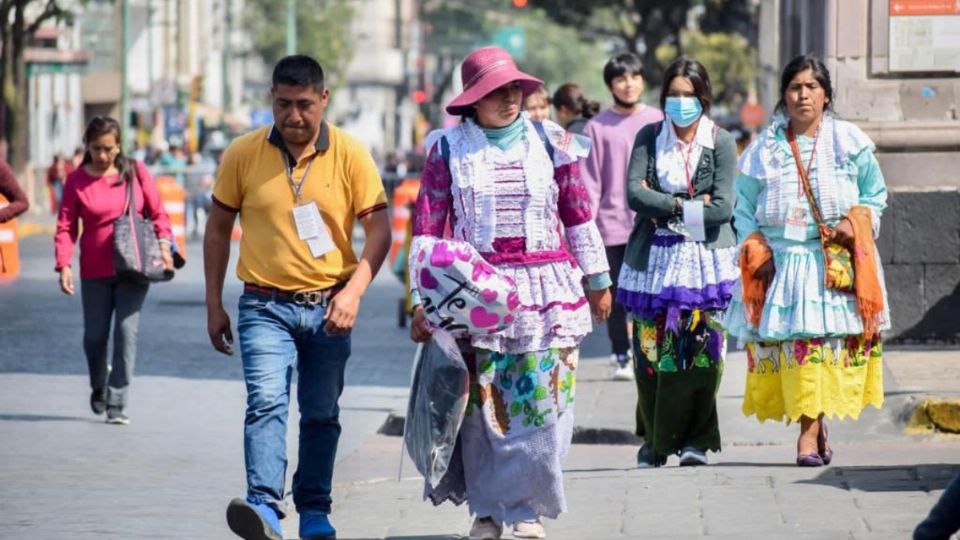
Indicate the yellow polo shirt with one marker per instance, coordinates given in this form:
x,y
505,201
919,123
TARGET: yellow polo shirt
x,y
252,180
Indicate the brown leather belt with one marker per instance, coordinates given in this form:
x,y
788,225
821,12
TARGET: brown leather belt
x,y
320,297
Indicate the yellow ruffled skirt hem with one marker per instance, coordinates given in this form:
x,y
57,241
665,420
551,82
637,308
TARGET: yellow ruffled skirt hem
x,y
837,377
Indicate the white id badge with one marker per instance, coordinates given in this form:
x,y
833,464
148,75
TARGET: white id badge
x,y
308,220
310,227
693,220
795,227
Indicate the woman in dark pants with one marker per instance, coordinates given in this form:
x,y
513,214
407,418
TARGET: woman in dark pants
x,y
96,195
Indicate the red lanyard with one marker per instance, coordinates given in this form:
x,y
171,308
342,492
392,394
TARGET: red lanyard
x,y
813,153
686,167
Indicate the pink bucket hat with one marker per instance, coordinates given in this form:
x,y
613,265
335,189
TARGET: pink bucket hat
x,y
485,70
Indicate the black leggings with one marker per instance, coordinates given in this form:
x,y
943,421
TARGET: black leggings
x,y
617,323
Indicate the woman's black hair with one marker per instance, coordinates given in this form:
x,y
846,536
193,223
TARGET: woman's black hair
x,y
691,69
798,65
571,96
102,125
620,65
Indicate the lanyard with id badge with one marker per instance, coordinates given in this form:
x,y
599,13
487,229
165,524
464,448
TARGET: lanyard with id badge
x,y
306,215
795,225
692,225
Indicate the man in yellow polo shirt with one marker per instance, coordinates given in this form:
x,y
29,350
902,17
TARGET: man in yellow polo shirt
x,y
298,186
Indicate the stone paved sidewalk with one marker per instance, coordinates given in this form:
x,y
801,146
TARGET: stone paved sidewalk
x,y
882,482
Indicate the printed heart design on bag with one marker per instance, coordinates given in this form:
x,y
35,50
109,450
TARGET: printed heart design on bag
x,y
489,296
481,318
508,319
427,281
513,300
441,257
481,271
422,255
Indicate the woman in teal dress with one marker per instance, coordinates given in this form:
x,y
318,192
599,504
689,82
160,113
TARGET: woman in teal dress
x,y
813,351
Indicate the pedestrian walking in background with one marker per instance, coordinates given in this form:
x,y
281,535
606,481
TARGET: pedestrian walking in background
x,y
17,202
56,177
537,104
573,109
680,268
511,193
95,194
299,186
813,349
612,133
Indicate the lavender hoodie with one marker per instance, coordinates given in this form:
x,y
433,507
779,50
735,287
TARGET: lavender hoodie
x,y
604,171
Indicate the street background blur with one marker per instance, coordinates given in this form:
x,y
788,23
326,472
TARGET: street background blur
x,y
185,77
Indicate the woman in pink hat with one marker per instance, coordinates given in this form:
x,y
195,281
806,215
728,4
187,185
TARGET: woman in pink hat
x,y
511,188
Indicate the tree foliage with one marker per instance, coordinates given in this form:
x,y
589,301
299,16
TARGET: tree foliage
x,y
644,26
555,52
19,22
323,31
638,26
729,60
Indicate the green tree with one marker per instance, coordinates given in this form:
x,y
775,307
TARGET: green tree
x,y
19,21
554,52
729,60
639,26
644,26
323,31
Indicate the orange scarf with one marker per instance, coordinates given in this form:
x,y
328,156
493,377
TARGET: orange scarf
x,y
866,279
754,253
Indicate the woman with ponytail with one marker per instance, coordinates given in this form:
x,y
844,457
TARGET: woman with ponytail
x,y
573,108
96,195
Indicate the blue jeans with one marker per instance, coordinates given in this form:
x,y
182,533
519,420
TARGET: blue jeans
x,y
274,336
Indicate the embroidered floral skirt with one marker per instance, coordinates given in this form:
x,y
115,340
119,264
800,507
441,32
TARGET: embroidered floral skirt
x,y
834,376
515,434
678,372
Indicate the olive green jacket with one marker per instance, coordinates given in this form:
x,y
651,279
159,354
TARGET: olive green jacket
x,y
715,174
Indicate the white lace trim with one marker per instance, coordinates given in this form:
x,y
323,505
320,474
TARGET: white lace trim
x,y
587,247
768,161
472,164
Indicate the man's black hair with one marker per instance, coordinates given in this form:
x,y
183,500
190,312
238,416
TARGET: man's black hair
x,y
298,70
620,65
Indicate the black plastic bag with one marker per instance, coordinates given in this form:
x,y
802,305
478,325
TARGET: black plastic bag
x,y
438,399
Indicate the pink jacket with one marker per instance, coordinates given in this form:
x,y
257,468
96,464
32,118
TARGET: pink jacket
x,y
97,202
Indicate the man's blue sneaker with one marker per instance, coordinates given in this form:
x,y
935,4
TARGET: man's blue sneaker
x,y
316,526
253,521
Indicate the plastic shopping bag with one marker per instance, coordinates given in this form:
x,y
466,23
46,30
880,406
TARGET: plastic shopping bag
x,y
438,399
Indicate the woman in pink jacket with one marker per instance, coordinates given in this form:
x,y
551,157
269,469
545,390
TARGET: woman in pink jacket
x,y
96,194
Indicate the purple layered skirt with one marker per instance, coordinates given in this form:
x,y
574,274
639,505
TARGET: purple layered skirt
x,y
681,274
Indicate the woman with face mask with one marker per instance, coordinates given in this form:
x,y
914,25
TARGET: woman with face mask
x,y
679,269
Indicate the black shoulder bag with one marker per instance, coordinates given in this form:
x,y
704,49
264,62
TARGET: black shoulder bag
x,y
136,249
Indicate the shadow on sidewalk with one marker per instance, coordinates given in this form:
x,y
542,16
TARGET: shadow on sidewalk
x,y
418,537
46,418
888,479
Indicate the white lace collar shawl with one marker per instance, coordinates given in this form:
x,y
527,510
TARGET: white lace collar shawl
x,y
472,161
770,160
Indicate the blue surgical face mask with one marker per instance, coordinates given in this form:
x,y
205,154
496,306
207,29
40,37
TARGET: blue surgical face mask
x,y
683,111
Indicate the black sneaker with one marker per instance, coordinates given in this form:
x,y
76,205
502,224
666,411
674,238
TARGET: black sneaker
x,y
647,459
115,416
98,401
